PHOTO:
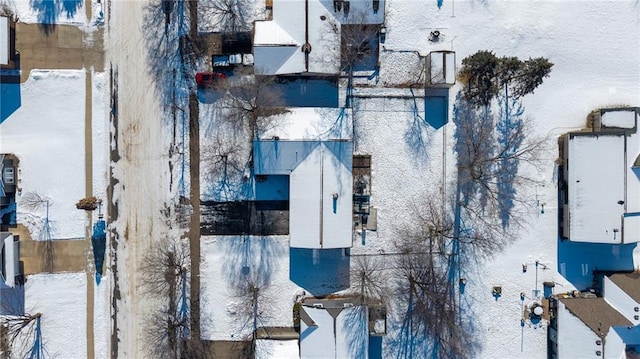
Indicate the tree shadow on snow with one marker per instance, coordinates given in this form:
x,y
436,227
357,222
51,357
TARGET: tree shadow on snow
x,y
49,10
486,172
166,47
356,327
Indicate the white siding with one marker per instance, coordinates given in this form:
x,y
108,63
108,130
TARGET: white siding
x,y
575,339
620,300
614,346
10,261
5,42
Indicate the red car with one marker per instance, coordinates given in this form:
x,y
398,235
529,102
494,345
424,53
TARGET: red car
x,y
208,79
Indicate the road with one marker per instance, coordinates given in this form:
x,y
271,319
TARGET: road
x,y
140,179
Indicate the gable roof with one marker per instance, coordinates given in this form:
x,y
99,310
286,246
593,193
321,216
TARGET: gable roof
x,y
595,313
320,188
341,330
629,283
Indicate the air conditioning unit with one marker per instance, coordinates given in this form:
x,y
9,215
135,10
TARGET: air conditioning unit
x,y
8,175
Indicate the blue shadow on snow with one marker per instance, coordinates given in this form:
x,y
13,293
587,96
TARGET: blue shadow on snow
x,y
578,260
11,99
436,107
319,271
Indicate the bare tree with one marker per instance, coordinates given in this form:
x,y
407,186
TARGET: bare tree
x,y
426,283
496,155
358,42
251,104
368,278
224,161
36,201
251,303
166,271
228,16
21,336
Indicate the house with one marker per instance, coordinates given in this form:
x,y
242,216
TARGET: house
x,y
8,189
7,42
601,176
304,36
586,326
320,188
11,288
333,328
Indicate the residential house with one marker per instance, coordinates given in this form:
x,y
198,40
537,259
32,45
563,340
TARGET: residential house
x,y
304,36
333,329
7,42
601,176
587,326
11,288
320,188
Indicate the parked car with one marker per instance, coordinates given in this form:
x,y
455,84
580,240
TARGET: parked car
x,y
208,79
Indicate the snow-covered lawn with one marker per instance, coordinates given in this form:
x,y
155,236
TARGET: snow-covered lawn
x,y
46,133
61,300
232,263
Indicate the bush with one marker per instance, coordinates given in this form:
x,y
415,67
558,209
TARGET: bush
x,y
88,204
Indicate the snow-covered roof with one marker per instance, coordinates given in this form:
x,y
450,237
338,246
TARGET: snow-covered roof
x,y
278,43
313,123
443,66
328,331
619,118
4,40
320,188
603,189
281,349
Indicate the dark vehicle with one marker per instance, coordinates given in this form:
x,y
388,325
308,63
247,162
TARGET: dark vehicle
x,y
209,79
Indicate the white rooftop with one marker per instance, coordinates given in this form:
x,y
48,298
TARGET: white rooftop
x,y
604,187
313,123
619,118
278,43
334,332
320,188
4,40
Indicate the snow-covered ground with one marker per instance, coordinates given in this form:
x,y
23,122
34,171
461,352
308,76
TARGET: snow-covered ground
x,y
591,43
594,67
47,134
55,12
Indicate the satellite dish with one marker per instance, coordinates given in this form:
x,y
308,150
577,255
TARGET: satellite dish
x,y
538,310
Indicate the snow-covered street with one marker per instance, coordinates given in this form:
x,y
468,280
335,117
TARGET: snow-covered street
x,y
139,162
